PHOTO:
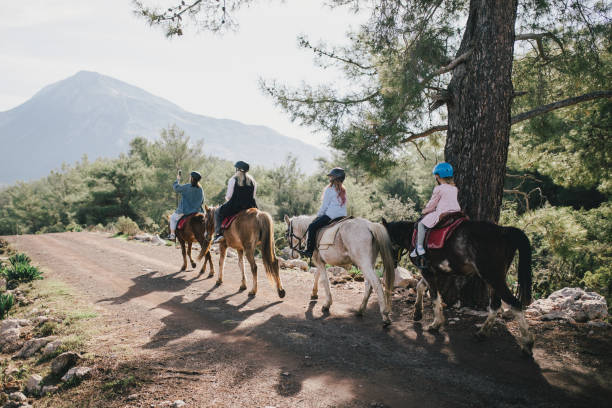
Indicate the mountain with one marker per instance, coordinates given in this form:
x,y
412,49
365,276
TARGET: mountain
x,y
97,115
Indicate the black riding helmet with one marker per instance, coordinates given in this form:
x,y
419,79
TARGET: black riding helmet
x,y
196,176
240,165
337,173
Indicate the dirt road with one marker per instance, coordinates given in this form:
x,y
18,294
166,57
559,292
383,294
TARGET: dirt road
x,y
216,347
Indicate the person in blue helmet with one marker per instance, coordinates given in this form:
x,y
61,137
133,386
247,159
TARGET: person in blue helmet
x,y
192,198
241,193
443,200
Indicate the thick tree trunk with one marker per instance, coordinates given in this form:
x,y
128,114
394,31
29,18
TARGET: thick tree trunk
x,y
479,119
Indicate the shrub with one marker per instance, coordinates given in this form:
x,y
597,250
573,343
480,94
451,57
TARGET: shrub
x,y
74,227
19,258
126,226
7,300
22,273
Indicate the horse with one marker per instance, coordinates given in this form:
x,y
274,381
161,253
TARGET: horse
x,y
196,230
475,247
358,242
251,228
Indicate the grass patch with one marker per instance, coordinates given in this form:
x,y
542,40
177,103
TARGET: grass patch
x,y
47,329
121,385
7,301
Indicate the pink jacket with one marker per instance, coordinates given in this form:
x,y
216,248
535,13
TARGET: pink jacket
x,y
443,199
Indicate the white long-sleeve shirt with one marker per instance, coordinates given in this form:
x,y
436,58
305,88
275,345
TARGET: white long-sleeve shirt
x,y
331,205
230,187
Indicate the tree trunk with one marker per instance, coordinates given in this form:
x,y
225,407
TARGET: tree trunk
x,y
479,119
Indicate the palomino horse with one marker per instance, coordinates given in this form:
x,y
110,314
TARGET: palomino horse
x,y
195,230
357,242
475,247
251,228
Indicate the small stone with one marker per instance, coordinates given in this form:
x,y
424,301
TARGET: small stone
x,y
63,362
178,404
33,385
32,346
132,397
165,404
49,389
286,374
51,348
78,372
18,396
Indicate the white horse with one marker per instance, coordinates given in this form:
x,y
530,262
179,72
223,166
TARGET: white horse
x,y
357,242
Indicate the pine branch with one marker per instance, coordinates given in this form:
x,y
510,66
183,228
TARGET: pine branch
x,y
540,110
321,52
460,59
345,101
538,39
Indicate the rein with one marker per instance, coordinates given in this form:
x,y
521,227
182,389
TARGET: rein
x,y
290,235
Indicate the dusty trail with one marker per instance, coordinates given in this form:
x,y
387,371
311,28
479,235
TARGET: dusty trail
x,y
215,346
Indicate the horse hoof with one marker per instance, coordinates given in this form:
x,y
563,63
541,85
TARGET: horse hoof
x,y
251,294
241,288
432,329
386,322
417,316
193,264
218,283
314,297
359,313
183,269
211,275
281,293
325,309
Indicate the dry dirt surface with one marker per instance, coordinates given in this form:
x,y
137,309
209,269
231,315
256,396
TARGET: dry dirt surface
x,y
182,337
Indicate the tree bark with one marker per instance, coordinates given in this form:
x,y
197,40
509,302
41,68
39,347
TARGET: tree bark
x,y
479,119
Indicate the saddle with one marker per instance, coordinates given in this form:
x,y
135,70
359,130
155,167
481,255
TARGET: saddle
x,y
446,225
227,221
183,220
327,235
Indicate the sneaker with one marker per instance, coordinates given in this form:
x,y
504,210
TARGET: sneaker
x,y
171,237
217,239
306,253
419,251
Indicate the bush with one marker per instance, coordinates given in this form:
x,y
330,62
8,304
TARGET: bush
x,y
126,226
19,258
7,300
22,273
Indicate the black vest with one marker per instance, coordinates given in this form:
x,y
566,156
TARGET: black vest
x,y
242,199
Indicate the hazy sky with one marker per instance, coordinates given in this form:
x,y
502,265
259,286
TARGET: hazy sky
x,y
44,41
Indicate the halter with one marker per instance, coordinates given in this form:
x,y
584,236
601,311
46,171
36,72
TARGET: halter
x,y
290,235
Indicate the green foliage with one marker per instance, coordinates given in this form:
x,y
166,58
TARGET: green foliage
x,y
570,247
7,300
126,226
121,385
19,258
21,273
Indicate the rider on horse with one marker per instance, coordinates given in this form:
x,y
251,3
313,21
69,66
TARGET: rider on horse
x,y
192,197
241,192
443,199
333,206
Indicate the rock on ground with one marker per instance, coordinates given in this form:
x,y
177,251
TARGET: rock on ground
x,y
51,348
570,304
78,372
17,396
404,279
32,346
10,331
63,362
288,253
294,263
33,385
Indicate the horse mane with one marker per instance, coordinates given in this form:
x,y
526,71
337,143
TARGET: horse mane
x,y
301,222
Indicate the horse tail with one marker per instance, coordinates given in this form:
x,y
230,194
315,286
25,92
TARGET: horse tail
x,y
520,241
266,231
200,219
383,242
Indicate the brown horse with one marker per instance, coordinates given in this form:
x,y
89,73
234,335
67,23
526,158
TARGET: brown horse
x,y
251,228
197,229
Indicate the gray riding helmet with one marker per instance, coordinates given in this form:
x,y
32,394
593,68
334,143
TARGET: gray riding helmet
x,y
337,173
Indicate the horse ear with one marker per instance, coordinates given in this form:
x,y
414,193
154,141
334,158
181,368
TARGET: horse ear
x,y
206,207
287,219
384,222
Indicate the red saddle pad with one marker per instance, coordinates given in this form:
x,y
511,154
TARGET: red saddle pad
x,y
436,237
183,220
228,221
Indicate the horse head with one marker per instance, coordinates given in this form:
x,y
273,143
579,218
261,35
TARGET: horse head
x,y
400,233
296,232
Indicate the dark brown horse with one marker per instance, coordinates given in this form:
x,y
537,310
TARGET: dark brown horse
x,y
475,248
251,227
197,229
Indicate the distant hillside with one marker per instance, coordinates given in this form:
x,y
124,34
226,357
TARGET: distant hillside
x,y
96,115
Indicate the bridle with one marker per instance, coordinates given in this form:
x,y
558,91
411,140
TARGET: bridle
x,y
290,234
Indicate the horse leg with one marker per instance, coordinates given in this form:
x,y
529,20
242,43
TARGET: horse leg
x,y
430,277
366,297
184,252
251,259
371,277
418,304
241,266
315,286
527,339
493,309
222,251
321,269
209,260
193,264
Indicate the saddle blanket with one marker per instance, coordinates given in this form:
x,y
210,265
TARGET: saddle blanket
x,y
437,236
228,221
183,220
327,234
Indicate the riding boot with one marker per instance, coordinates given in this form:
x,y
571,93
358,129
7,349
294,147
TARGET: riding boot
x,y
218,222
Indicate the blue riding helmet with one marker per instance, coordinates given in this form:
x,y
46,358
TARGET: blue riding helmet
x,y
196,176
443,170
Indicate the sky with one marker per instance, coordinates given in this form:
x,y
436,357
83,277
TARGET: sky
x,y
44,41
